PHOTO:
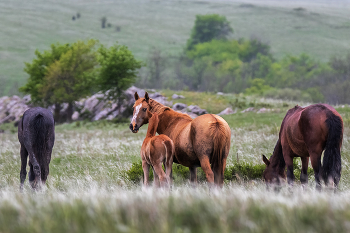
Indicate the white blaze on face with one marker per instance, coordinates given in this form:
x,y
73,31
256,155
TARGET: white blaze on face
x,y
137,109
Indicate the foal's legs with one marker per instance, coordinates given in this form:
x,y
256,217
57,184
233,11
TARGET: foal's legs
x,y
160,174
23,173
145,167
156,178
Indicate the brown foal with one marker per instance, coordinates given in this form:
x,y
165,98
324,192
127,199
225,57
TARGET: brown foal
x,y
155,151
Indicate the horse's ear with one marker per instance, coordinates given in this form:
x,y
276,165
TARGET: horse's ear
x,y
266,160
146,97
136,96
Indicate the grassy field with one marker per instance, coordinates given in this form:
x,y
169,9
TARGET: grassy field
x,y
88,191
290,27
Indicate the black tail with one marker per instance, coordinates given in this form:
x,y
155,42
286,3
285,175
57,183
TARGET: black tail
x,y
39,142
331,168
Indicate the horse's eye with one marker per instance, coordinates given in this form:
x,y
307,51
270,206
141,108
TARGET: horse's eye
x,y
144,109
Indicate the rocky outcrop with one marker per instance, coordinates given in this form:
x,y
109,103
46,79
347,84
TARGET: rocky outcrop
x,y
179,106
196,110
12,108
176,96
192,110
94,108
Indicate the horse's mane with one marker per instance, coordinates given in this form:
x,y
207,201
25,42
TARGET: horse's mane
x,y
159,108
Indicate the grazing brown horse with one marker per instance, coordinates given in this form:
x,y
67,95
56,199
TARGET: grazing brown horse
x,y
155,151
36,133
198,142
305,133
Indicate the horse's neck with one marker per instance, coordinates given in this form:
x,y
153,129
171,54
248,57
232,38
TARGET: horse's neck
x,y
168,118
277,160
152,128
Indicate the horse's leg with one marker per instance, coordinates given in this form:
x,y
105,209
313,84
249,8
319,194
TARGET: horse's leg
x,y
31,175
288,156
316,165
23,173
145,167
193,176
35,168
304,166
205,164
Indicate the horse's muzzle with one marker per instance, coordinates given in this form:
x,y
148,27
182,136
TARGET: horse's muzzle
x,y
134,128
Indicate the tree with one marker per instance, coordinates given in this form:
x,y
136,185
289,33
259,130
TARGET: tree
x,y
71,77
37,70
63,75
118,70
207,28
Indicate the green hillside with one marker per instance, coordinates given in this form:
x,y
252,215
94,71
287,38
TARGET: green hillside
x,y
319,29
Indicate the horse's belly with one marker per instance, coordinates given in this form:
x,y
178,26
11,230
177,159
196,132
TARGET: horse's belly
x,y
295,141
184,149
298,146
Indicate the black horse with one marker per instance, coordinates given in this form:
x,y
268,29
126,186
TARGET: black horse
x,y
36,133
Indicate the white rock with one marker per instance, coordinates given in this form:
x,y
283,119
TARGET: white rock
x,y
248,110
227,111
176,96
75,116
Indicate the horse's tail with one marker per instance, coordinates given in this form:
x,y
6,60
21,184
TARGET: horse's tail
x,y
331,168
220,138
39,141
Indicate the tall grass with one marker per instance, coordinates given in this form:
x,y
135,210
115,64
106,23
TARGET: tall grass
x,y
88,190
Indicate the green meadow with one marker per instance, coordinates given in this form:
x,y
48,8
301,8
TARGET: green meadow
x,y
317,28
88,189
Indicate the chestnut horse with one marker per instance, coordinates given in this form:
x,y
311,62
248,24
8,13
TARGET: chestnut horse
x,y
156,150
198,142
306,132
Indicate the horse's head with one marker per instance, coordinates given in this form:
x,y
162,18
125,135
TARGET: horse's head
x,y
271,175
140,114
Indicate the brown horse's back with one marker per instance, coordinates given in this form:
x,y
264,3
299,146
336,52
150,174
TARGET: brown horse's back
x,y
306,133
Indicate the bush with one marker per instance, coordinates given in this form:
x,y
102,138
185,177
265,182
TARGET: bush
x,y
244,171
207,28
181,173
236,172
